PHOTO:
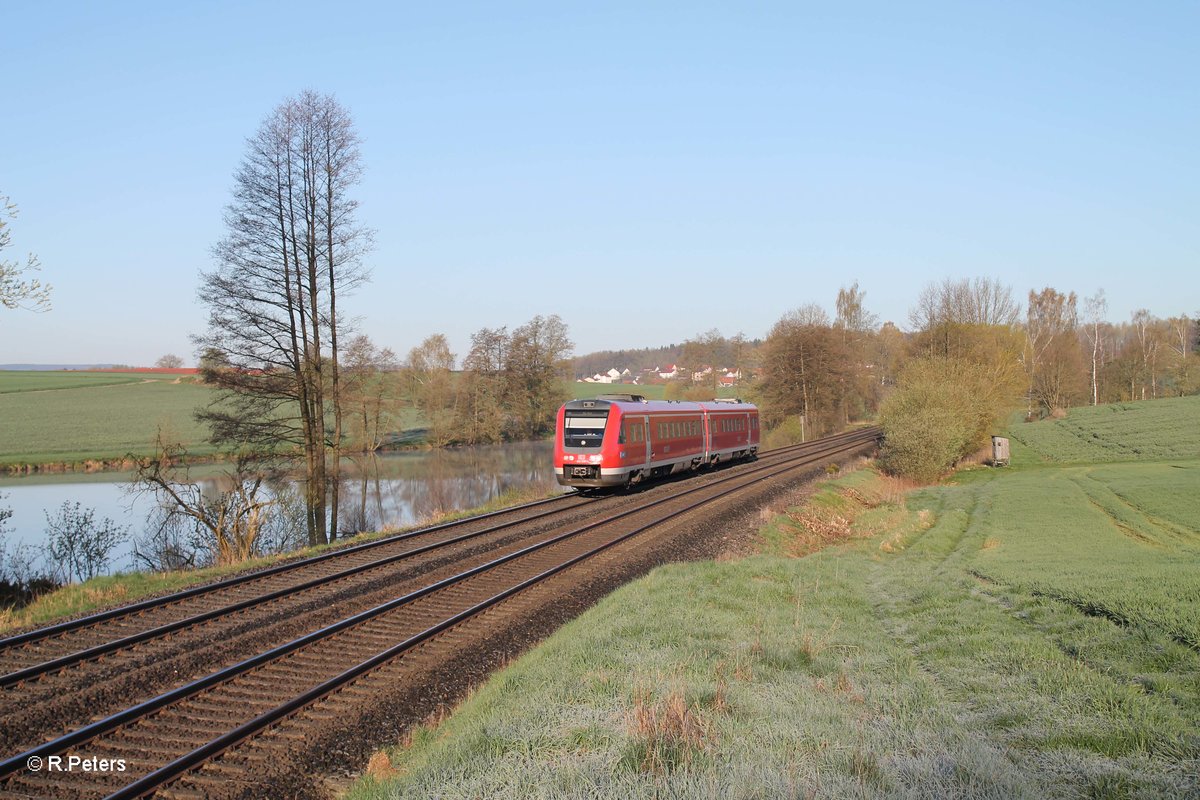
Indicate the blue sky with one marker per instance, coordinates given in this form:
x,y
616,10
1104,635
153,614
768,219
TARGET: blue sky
x,y
645,170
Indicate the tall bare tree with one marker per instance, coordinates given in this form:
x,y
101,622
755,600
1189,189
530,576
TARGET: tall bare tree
x,y
1095,309
432,388
537,365
483,414
292,247
1051,352
804,362
369,392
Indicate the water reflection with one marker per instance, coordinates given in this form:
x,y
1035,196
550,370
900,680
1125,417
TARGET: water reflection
x,y
403,488
378,491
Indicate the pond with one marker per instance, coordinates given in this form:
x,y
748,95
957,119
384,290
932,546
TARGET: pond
x,y
378,491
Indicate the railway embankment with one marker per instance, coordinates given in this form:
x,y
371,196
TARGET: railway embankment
x,y
1020,632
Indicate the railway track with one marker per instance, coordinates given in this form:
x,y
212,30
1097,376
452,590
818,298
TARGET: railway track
x,y
172,733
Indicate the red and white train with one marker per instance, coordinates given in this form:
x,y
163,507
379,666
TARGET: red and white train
x,y
618,439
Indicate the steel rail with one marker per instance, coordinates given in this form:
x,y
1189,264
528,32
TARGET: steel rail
x,y
215,747
111,722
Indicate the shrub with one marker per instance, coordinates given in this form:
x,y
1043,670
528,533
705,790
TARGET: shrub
x,y
77,544
942,410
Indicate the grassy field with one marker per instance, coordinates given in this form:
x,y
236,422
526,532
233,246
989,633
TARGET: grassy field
x,y
1026,632
1150,429
69,417
40,381
586,391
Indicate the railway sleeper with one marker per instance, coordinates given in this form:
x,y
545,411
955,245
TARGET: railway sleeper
x,y
201,725
141,739
132,752
221,705
182,793
322,715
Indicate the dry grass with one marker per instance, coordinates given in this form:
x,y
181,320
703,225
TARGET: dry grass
x,y
380,767
667,732
837,516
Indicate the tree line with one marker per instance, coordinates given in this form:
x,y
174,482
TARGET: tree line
x,y
508,388
972,355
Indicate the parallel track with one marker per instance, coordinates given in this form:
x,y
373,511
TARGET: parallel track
x,y
238,701
38,652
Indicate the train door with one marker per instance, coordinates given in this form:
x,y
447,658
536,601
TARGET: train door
x,y
646,439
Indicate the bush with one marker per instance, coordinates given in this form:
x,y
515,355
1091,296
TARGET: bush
x,y
785,434
78,545
942,410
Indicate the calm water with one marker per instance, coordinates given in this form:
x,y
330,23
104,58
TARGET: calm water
x,y
377,491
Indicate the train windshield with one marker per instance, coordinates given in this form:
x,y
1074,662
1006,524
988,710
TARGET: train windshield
x,y
584,428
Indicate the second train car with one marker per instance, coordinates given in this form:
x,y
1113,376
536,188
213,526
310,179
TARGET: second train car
x,y
618,439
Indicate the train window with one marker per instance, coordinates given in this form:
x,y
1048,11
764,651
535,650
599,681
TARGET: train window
x,y
581,430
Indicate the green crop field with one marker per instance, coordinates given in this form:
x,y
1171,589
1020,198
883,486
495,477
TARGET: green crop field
x,y
76,420
1023,632
40,381
586,391
1150,429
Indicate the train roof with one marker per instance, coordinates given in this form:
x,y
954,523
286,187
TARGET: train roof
x,y
633,403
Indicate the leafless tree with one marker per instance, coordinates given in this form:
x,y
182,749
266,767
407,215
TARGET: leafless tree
x,y
432,388
225,522
292,248
1051,352
17,289
852,315
708,350
1149,338
969,301
169,361
538,354
804,362
369,392
483,417
78,544
1096,308
857,328
1181,335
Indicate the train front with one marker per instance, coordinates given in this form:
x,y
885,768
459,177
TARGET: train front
x,y
585,445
